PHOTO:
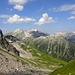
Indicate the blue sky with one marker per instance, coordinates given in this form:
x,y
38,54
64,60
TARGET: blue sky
x,y
46,15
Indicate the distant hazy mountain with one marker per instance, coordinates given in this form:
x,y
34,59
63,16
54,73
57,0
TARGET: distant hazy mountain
x,y
65,34
69,36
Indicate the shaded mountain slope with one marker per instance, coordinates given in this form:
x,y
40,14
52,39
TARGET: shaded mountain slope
x,y
53,45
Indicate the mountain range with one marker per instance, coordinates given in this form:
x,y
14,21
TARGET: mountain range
x,y
17,58
57,45
33,32
35,52
22,34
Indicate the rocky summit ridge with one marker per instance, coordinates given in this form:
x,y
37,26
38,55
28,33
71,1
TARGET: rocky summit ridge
x,y
33,32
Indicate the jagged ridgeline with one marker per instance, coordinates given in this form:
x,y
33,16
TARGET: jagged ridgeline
x,y
69,36
5,44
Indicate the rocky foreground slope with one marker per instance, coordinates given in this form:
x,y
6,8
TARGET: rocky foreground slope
x,y
13,65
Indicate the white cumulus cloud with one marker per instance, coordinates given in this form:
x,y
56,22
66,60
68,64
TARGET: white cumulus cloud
x,y
72,17
45,20
18,4
21,2
19,7
17,19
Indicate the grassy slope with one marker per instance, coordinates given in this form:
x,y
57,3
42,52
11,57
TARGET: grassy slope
x,y
43,60
68,69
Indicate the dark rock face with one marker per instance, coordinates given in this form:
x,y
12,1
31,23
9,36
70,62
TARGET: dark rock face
x,y
13,49
11,38
1,34
3,41
38,34
1,37
5,44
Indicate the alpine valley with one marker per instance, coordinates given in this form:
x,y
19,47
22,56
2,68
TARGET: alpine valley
x,y
32,52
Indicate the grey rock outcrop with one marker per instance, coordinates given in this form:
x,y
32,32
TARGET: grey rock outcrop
x,y
5,44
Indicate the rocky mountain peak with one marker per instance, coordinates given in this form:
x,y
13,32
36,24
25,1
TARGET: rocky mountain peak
x,y
22,34
18,30
65,34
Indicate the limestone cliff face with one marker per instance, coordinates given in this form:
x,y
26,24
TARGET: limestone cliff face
x,y
5,44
